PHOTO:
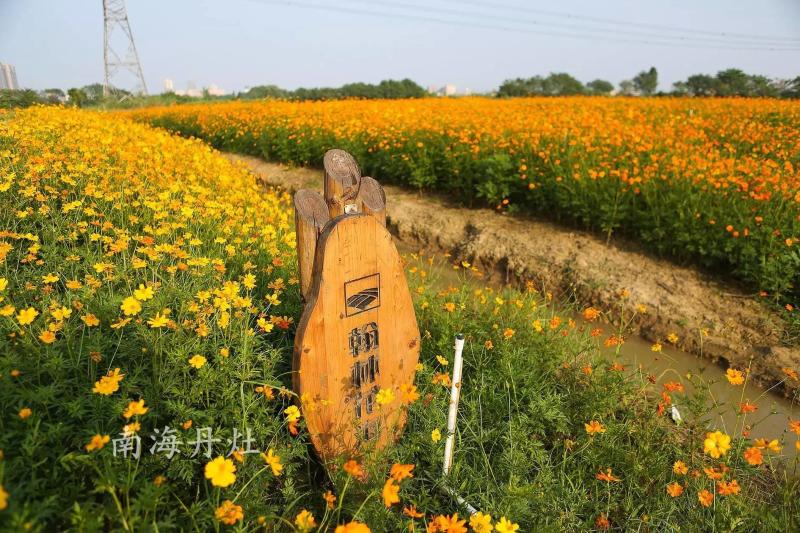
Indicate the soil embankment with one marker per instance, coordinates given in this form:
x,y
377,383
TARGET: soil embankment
x,y
566,262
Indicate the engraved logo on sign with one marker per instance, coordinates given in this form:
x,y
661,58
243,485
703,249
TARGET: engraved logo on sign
x,y
362,294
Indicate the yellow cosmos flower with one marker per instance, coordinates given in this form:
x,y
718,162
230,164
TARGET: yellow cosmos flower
x,y
131,306
292,413
143,293
108,384
49,278
90,320
121,324
197,361
3,284
385,396
135,408
61,313
26,316
436,435
221,472
506,526
97,442
481,523
25,412
716,444
158,321
3,498
305,521
47,337
273,461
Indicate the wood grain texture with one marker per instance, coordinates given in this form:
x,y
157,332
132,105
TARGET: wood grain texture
x,y
355,255
310,217
373,199
342,181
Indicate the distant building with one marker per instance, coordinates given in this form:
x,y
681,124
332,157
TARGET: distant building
x,y
191,90
214,90
8,77
447,90
169,87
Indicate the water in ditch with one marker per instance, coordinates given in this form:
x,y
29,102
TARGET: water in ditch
x,y
769,421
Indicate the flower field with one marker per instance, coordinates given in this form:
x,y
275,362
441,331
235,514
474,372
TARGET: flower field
x,y
713,182
149,299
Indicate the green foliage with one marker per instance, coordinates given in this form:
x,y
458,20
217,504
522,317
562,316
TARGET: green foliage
x,y
10,99
405,88
646,81
734,82
600,87
556,84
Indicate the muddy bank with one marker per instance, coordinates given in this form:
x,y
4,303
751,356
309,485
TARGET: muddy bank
x,y
574,264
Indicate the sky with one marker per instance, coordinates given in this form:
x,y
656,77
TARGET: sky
x,y
473,44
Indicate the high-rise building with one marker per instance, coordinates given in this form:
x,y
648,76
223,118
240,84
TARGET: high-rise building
x,y
8,77
169,87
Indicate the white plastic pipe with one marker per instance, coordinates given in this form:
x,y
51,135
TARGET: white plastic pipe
x,y
452,417
455,395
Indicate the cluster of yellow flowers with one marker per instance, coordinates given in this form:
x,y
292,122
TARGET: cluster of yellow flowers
x,y
99,209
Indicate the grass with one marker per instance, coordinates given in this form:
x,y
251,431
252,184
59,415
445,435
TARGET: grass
x,y
98,211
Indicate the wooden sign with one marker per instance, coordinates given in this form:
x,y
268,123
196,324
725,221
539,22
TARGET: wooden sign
x,y
358,335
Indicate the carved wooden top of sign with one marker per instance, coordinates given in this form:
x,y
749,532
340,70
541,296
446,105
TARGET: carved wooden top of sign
x,y
358,334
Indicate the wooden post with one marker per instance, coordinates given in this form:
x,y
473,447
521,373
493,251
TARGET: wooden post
x,y
310,216
373,199
342,182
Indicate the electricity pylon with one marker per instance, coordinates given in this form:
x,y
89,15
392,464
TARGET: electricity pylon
x,y
115,17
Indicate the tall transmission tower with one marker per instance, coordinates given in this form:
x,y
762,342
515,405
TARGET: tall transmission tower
x,y
115,17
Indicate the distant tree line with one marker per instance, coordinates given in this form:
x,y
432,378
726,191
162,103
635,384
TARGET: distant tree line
x,y
730,82
405,88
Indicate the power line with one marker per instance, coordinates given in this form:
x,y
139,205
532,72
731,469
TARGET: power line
x,y
450,22
618,22
540,23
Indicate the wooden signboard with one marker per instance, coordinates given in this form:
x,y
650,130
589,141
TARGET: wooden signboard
x,y
358,334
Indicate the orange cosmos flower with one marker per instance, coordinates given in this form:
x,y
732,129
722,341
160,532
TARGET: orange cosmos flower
x,y
390,493
705,498
400,472
753,456
680,468
674,489
735,377
594,427
607,476
728,488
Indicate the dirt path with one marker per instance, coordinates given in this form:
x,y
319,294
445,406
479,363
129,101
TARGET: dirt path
x,y
571,263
